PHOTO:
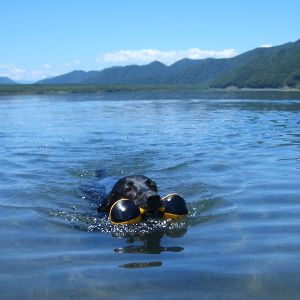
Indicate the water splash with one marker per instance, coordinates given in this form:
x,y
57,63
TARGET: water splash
x,y
101,223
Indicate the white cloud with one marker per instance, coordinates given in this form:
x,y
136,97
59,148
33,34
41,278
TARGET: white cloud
x,y
74,62
266,46
47,66
44,71
15,73
40,74
11,71
167,57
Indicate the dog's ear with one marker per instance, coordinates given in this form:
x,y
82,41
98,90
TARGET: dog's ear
x,y
108,202
112,197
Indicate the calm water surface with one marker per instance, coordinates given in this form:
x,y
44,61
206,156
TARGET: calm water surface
x,y
236,162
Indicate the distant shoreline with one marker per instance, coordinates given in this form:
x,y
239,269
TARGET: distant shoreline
x,y
34,89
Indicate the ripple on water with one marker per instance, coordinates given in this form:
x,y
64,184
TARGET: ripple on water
x,y
199,212
236,162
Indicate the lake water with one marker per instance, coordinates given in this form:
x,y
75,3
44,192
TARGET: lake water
x,y
236,162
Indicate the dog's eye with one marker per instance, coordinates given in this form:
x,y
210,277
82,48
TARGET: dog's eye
x,y
150,184
128,189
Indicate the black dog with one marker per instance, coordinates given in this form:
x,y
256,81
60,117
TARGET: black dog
x,y
139,189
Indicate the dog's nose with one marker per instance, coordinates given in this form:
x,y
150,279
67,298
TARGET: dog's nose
x,y
154,202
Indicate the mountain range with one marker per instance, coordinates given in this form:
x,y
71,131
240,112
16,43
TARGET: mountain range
x,y
272,67
6,80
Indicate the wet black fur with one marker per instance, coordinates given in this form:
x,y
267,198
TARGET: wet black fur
x,y
138,188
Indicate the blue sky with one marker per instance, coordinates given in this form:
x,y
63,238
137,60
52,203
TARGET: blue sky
x,y
46,38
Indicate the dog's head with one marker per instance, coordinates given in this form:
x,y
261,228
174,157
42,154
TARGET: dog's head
x,y
139,189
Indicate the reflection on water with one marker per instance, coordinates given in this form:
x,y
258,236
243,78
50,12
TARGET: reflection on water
x,y
151,243
141,265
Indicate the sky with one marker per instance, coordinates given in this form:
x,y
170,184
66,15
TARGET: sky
x,y
46,38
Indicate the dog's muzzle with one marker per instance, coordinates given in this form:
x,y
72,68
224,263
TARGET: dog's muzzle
x,y
153,202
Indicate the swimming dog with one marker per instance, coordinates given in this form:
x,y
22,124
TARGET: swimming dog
x,y
134,198
138,188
